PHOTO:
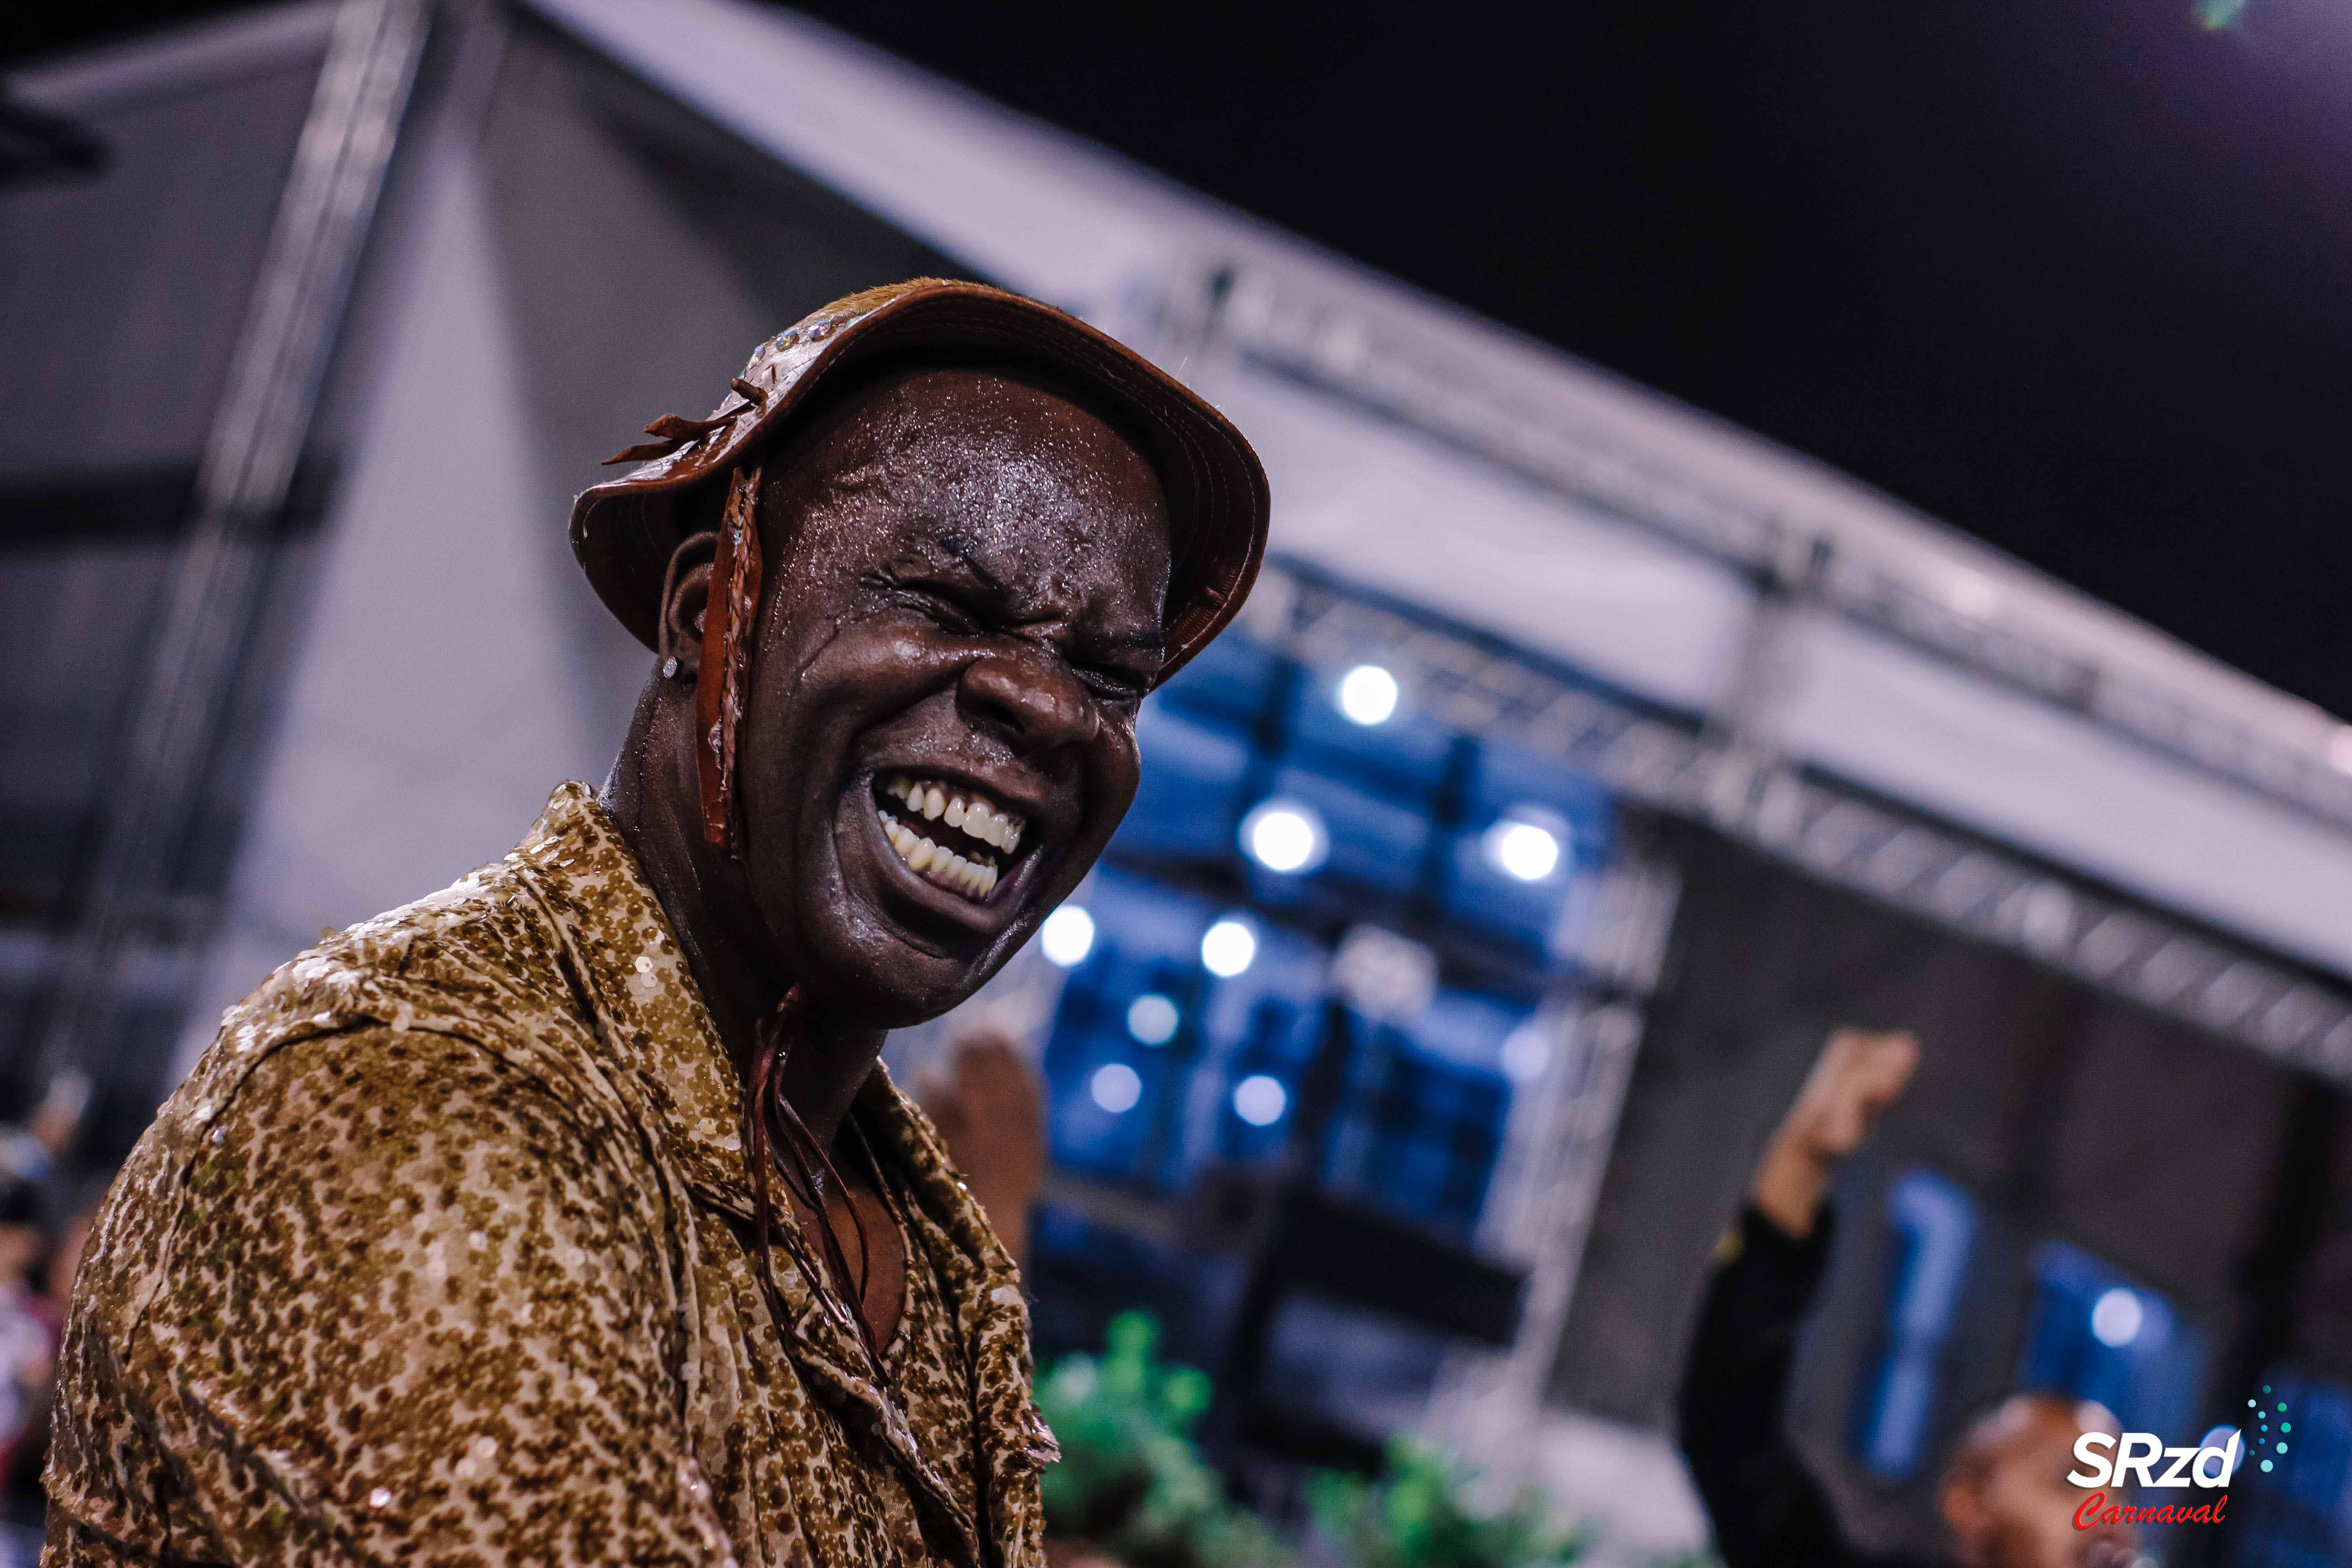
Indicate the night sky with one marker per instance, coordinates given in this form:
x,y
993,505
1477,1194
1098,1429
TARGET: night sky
x,y
2074,277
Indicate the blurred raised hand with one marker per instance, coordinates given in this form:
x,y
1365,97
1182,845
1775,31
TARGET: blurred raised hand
x,y
1858,1074
988,1105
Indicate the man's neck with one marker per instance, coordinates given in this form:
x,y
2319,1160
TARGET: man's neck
x,y
654,797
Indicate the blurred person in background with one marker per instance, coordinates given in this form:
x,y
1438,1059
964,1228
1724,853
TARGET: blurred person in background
x,y
28,1348
37,1222
30,1152
567,1215
990,1108
2004,1499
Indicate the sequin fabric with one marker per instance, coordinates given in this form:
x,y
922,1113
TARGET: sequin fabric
x,y
439,1258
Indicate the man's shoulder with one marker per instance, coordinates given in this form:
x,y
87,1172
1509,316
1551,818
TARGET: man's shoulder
x,y
465,960
374,1221
392,1023
479,961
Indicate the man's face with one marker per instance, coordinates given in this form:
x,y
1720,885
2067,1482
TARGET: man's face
x,y
2016,1509
967,580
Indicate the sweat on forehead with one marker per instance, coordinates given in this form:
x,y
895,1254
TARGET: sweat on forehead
x,y
985,457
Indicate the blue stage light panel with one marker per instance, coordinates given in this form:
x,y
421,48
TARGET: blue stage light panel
x,y
1503,784
1467,1029
1937,1219
1190,798
1375,844
1420,1131
2142,1364
1226,687
1147,942
1102,1139
1403,760
1276,1043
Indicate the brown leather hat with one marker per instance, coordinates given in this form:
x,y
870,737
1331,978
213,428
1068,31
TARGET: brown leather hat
x,y
623,531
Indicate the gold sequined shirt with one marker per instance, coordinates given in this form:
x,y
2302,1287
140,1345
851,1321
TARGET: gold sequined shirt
x,y
439,1258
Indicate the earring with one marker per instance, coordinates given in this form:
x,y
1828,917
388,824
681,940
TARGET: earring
x,y
669,669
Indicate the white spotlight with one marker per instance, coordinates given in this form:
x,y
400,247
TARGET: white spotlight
x,y
1228,947
1284,835
1067,936
1260,1100
2116,1317
1151,1018
1526,1051
1367,694
1525,843
1116,1087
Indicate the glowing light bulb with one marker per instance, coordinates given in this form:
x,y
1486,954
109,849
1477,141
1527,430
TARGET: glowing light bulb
x,y
1116,1087
2116,1317
1522,847
1228,947
1260,1100
1285,837
1067,936
1152,1019
1525,1053
1368,695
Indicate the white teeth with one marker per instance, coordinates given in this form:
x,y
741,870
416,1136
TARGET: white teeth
x,y
973,879
945,864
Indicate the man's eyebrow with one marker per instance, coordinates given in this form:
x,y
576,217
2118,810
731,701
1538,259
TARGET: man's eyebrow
x,y
1147,640
965,550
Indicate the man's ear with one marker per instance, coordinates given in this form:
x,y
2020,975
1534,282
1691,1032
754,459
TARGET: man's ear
x,y
686,594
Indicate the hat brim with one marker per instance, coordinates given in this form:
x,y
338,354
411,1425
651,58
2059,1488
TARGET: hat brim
x,y
624,530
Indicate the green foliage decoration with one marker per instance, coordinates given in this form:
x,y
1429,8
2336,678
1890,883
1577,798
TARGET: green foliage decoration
x,y
1419,1514
1129,1483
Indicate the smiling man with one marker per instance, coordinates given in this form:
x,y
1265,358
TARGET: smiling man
x,y
567,1216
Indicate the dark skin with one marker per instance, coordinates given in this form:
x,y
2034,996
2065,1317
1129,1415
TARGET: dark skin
x,y
966,578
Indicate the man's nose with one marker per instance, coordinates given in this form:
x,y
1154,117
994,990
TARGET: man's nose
x,y
1032,697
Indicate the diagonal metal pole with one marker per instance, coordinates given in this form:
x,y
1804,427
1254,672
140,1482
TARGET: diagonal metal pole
x,y
242,483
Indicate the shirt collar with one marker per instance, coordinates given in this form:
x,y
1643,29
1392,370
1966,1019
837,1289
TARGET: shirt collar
x,y
632,976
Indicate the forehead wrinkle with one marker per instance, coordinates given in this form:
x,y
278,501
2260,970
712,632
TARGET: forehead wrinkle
x,y
1025,511
977,452
1000,492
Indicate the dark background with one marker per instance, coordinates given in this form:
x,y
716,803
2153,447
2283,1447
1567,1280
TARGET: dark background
x,y
2072,276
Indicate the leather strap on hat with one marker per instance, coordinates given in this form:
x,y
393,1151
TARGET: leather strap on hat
x,y
730,612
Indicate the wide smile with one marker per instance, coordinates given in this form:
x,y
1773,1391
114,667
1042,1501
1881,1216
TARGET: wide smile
x,y
950,834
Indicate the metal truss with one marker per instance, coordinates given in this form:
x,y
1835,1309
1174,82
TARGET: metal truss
x,y
218,573
1965,884
1294,333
